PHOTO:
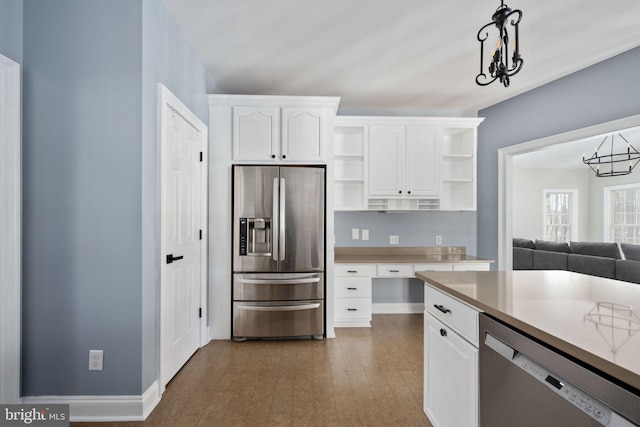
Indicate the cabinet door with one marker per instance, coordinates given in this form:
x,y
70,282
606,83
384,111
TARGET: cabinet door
x,y
256,133
386,160
302,134
450,377
423,161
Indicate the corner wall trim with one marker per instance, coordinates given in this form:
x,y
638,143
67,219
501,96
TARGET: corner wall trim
x,y
104,408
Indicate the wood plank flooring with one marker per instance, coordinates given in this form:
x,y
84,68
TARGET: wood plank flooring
x,y
363,377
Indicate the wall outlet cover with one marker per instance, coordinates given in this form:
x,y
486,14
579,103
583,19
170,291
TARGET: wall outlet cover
x,y
438,240
365,234
355,233
95,360
394,240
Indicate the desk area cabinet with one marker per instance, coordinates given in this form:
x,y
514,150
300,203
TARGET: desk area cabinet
x,y
356,269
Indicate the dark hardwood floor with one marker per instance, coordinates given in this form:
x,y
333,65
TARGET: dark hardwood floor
x,y
363,377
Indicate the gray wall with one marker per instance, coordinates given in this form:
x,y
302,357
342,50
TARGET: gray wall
x,y
11,29
91,69
603,92
413,229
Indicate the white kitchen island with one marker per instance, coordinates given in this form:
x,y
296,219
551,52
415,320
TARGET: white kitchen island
x,y
564,311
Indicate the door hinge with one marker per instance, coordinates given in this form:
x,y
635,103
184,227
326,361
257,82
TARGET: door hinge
x,y
200,234
201,156
200,312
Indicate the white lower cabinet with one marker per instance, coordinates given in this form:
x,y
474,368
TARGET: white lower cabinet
x,y
353,295
450,371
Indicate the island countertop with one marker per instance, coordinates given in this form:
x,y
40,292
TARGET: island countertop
x,y
405,255
590,318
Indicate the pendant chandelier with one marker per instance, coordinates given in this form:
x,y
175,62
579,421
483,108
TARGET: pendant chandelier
x,y
610,163
501,67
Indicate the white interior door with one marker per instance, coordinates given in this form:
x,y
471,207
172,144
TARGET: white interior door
x,y
181,246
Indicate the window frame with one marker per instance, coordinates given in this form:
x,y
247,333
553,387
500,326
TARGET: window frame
x,y
608,209
573,192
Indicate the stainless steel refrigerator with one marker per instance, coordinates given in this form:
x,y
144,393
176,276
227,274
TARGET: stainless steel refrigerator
x,y
278,251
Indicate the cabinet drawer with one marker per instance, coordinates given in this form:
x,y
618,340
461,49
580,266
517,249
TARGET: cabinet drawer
x,y
353,287
471,266
455,314
355,270
432,267
353,308
395,270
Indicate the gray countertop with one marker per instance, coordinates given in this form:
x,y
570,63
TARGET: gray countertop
x,y
559,308
405,255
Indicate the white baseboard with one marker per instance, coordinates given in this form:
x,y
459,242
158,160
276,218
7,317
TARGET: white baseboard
x,y
397,308
104,408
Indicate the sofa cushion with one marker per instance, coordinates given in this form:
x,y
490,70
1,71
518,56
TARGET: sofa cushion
x,y
609,250
523,243
593,265
628,270
522,258
631,251
552,246
549,260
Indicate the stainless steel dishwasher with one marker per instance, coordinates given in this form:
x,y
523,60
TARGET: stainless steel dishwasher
x,y
525,383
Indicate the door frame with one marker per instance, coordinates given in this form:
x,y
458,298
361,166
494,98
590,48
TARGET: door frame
x,y
10,231
505,176
168,102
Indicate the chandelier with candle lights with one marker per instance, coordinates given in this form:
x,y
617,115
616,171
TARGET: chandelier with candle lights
x,y
501,66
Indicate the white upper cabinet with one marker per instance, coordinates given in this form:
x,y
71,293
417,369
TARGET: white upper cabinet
x,y
387,166
302,134
409,163
256,133
404,161
279,129
423,161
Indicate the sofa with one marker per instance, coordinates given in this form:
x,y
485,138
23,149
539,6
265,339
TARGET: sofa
x,y
610,260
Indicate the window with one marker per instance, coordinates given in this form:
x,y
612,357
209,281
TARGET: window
x,y
560,215
623,205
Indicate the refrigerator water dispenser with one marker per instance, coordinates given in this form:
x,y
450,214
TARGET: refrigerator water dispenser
x,y
255,236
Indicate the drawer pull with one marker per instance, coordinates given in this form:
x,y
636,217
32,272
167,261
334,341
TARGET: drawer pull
x,y
443,332
352,309
442,308
352,271
352,289
394,271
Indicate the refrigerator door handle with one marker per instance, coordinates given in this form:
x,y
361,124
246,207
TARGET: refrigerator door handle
x,y
275,223
283,221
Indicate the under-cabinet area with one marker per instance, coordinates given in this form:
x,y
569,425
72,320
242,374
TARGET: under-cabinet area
x,y
405,163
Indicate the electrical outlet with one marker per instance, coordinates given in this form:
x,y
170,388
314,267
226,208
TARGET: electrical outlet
x,y
95,360
355,233
365,234
438,240
394,240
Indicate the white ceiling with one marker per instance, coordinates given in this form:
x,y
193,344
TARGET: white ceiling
x,y
403,55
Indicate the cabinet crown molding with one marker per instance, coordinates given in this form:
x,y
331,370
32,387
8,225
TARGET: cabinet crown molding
x,y
275,101
446,122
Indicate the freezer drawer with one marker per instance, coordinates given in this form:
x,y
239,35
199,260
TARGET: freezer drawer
x,y
278,287
278,319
